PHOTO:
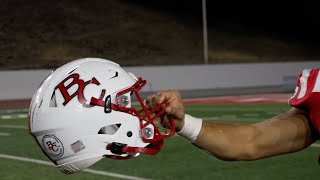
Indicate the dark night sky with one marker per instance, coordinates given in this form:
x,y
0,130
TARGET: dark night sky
x,y
286,19
54,31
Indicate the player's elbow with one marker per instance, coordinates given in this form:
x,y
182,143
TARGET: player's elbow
x,y
240,153
250,147
249,152
246,150
245,153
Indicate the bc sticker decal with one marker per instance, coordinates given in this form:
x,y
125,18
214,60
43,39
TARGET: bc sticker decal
x,y
53,145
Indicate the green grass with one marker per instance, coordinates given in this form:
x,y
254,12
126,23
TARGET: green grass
x,y
177,160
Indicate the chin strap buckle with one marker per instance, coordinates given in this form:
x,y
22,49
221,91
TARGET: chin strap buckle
x,y
116,148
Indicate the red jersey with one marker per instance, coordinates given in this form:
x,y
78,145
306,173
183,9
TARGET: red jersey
x,y
307,95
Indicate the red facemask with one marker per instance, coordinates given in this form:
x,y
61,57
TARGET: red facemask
x,y
155,117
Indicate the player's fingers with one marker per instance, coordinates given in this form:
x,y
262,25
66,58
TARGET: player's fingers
x,y
166,121
155,99
169,110
145,103
172,97
178,113
169,95
151,101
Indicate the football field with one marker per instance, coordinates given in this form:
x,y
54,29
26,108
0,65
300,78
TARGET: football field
x,y
20,158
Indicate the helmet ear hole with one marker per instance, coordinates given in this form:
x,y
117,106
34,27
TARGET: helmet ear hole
x,y
110,130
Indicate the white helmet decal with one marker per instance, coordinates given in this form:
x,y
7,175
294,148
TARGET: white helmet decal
x,y
52,145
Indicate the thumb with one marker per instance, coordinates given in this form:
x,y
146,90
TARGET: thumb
x,y
176,113
170,110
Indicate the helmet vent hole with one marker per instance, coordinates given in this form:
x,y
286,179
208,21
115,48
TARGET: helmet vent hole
x,y
53,101
110,130
71,71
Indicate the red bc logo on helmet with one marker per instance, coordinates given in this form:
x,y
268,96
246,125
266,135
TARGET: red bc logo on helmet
x,y
79,92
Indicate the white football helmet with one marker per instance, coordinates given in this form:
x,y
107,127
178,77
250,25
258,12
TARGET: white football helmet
x,y
83,112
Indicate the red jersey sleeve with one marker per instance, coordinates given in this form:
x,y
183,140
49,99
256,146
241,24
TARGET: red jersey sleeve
x,y
307,95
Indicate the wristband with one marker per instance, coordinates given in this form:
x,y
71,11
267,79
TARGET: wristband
x,y
191,128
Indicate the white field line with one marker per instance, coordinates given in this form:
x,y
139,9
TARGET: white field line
x,y
22,116
6,117
4,134
14,116
251,114
13,127
13,111
96,172
315,145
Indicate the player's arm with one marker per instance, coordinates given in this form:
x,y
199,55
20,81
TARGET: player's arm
x,y
285,133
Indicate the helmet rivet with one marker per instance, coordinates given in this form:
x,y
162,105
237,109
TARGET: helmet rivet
x,y
148,132
124,100
129,133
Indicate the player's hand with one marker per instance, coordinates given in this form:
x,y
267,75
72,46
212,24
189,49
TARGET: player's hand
x,y
175,108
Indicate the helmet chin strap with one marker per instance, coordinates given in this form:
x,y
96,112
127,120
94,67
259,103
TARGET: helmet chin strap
x,y
151,149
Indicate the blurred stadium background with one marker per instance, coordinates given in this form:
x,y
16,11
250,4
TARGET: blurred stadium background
x,y
42,35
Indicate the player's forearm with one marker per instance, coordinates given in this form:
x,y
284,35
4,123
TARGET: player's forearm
x,y
285,133
227,141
